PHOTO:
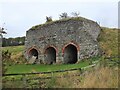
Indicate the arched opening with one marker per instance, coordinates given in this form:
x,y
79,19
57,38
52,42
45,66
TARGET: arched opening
x,y
33,52
70,54
50,55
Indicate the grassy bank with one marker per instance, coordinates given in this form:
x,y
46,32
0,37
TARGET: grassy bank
x,y
108,40
14,49
97,77
22,68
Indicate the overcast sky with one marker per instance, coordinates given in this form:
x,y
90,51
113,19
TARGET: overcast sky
x,y
20,15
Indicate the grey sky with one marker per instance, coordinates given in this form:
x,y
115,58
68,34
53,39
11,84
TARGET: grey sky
x,y
20,16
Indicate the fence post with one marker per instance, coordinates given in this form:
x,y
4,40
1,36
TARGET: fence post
x,y
24,81
1,61
52,74
80,70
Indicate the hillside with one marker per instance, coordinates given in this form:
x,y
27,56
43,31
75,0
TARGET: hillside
x,y
108,40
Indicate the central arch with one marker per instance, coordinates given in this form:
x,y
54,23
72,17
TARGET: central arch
x,y
50,55
70,54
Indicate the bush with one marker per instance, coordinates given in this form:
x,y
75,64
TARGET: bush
x,y
6,55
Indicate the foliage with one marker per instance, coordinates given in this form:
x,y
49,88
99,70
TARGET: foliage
x,y
13,41
57,21
75,14
101,77
108,40
4,68
48,19
6,55
12,55
63,15
51,83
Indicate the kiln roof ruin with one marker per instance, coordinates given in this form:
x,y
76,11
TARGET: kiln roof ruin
x,y
82,19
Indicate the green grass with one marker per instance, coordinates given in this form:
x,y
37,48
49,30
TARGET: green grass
x,y
22,68
108,41
14,49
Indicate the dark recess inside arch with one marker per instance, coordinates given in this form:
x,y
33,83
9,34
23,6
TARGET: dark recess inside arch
x,y
33,52
50,55
70,54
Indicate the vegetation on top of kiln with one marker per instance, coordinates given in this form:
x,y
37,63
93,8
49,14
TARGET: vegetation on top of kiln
x,y
58,21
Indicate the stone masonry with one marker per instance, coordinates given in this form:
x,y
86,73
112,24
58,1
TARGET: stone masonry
x,y
63,41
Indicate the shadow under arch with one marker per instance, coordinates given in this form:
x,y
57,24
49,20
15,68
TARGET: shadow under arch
x,y
33,52
50,55
70,53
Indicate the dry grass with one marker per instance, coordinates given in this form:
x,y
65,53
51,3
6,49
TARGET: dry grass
x,y
108,41
15,57
100,78
103,77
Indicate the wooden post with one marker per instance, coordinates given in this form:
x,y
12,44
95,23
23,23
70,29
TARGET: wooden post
x,y
24,81
1,61
1,37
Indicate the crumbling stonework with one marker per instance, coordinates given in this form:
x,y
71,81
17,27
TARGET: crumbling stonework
x,y
63,41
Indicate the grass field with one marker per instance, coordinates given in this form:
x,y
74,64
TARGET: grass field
x,y
108,41
14,49
42,68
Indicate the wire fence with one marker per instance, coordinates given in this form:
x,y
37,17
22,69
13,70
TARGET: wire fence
x,y
57,71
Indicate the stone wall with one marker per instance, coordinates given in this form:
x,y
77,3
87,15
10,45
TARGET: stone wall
x,y
78,32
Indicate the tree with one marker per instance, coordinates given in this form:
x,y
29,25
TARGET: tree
x,y
48,19
13,41
75,14
6,55
1,37
64,15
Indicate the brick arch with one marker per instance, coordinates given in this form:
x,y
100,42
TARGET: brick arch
x,y
33,51
70,53
33,47
71,43
50,46
50,54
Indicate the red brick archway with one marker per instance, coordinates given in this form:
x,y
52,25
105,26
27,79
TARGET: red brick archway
x,y
50,46
50,54
70,53
74,44
33,51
